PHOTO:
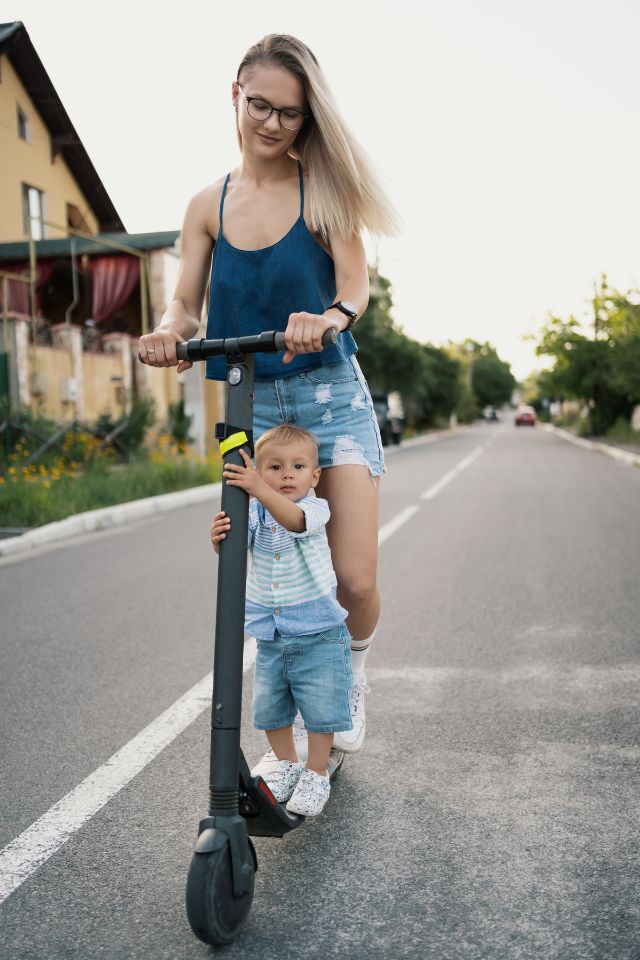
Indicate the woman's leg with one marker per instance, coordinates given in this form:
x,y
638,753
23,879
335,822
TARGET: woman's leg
x,y
352,531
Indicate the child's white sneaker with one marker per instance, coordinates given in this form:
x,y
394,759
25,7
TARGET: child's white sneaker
x,y
310,795
282,779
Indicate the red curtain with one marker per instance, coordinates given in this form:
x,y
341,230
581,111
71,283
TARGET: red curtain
x,y
112,281
19,292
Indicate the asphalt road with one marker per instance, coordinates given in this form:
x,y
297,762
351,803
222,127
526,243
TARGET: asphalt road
x,y
493,812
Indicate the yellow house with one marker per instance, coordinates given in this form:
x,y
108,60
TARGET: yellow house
x,y
44,169
76,297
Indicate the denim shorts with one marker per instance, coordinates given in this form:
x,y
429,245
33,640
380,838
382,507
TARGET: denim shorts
x,y
333,402
311,673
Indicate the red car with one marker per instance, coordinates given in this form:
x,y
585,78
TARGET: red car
x,y
525,415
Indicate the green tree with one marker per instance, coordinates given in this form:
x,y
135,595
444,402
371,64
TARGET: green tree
x,y
484,379
426,378
618,319
492,381
602,370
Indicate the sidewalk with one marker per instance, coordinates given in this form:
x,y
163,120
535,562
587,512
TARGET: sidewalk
x,y
121,513
622,453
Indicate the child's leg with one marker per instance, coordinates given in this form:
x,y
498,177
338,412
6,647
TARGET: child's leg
x,y
283,777
282,744
319,749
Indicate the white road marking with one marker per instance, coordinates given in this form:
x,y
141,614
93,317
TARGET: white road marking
x,y
33,847
395,523
22,856
435,489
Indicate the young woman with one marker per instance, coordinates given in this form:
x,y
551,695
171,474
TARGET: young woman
x,y
285,229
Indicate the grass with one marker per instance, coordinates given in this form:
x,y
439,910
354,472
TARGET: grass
x,y
31,499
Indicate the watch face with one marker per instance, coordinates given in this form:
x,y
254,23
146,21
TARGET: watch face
x,y
348,306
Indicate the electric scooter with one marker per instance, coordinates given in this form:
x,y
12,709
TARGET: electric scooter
x,y
221,876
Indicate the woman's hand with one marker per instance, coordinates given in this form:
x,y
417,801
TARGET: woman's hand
x,y
219,529
158,349
246,477
304,333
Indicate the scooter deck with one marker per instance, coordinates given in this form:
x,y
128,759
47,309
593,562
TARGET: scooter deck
x,y
336,759
264,816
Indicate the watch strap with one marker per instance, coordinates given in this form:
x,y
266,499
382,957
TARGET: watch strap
x,y
348,313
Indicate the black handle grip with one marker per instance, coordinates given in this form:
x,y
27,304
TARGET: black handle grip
x,y
271,341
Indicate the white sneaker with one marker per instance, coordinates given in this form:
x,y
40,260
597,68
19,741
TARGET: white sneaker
x,y
269,762
266,765
300,738
310,795
350,741
282,780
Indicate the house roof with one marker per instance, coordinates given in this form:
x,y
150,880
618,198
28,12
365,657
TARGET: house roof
x,y
16,44
62,247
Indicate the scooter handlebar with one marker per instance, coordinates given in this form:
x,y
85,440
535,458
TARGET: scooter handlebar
x,y
271,341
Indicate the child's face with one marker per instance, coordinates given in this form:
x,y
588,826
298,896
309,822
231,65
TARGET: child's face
x,y
289,468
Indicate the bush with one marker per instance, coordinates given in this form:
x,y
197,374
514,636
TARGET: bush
x,y
30,501
622,432
179,424
140,417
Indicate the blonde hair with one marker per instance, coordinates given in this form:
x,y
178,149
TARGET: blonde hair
x,y
285,433
345,195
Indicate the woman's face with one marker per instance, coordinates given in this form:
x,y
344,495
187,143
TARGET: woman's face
x,y
280,88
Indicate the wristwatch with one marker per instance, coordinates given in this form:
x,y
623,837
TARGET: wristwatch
x,y
349,311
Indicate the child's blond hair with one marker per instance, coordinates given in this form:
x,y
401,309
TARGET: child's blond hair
x,y
285,433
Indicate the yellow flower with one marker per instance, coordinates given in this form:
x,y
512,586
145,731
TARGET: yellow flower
x,y
47,483
11,470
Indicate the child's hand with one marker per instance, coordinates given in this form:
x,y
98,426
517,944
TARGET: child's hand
x,y
219,529
246,477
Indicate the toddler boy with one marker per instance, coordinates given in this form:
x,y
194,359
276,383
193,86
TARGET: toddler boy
x,y
304,656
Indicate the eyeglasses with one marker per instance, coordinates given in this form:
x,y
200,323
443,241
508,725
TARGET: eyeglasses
x,y
259,109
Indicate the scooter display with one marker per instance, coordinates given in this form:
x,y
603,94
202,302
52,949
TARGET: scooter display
x,y
220,882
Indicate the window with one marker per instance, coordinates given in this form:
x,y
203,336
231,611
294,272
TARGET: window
x,y
76,220
23,125
33,209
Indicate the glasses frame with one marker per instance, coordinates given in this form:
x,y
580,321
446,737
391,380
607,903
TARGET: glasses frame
x,y
278,110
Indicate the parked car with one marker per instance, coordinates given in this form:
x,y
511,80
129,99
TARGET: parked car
x,y
525,416
388,408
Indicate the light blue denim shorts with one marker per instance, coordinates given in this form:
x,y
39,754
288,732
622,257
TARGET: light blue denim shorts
x,y
311,673
333,402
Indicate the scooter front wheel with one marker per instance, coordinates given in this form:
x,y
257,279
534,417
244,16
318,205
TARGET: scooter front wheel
x,y
215,913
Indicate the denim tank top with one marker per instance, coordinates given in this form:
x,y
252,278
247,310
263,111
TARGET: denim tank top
x,y
256,290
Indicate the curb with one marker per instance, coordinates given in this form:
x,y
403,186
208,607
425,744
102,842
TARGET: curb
x,y
107,517
623,456
120,513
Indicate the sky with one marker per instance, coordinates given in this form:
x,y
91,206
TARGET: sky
x,y
505,131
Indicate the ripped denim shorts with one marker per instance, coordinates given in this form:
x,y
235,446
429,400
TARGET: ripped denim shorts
x,y
333,402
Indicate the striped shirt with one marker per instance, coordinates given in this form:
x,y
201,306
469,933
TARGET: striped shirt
x,y
291,584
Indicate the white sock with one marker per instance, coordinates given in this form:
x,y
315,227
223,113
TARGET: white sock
x,y
359,656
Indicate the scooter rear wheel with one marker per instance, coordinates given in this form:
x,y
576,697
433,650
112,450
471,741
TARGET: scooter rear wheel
x,y
214,913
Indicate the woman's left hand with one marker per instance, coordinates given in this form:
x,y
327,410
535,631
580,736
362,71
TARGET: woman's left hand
x,y
304,333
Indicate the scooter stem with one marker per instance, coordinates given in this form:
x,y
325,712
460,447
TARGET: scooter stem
x,y
226,706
